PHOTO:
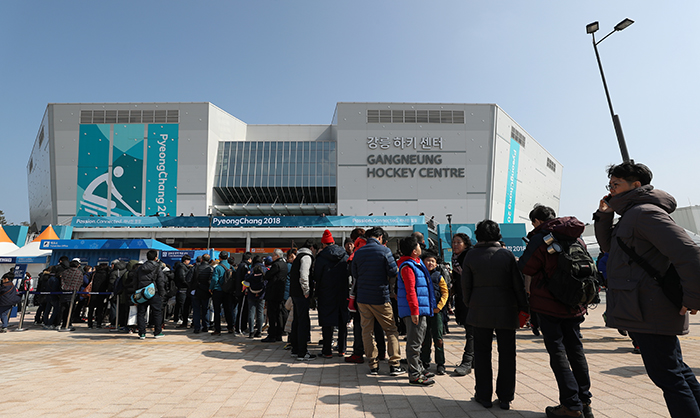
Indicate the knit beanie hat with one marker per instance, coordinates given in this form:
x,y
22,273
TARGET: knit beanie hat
x,y
327,237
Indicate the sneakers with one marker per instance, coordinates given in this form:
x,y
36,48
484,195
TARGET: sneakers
x,y
503,404
288,346
327,355
396,370
428,374
51,327
463,369
161,335
142,337
421,381
440,370
257,334
269,339
561,411
374,372
355,359
307,357
216,333
587,411
3,329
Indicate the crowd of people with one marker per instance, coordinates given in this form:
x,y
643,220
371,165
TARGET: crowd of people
x,y
490,292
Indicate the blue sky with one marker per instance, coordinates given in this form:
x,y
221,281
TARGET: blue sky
x,y
290,62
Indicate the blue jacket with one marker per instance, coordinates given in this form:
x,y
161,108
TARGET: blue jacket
x,y
372,266
218,275
425,292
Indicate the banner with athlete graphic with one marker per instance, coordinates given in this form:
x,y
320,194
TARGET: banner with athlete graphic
x,y
111,176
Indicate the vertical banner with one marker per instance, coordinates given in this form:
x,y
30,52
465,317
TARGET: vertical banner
x,y
161,170
127,170
512,181
93,171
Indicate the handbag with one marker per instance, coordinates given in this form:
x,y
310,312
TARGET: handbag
x,y
144,294
670,282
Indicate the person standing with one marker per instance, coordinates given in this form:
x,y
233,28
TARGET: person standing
x,y
181,313
416,302
150,272
560,324
494,291
332,286
219,297
300,290
276,278
635,301
461,244
372,267
200,295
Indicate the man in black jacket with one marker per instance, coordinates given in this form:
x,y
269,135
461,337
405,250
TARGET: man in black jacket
x,y
240,313
182,308
276,278
150,272
200,298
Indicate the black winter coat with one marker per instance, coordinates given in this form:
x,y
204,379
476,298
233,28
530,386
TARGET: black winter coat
x,y
331,275
493,287
150,272
276,278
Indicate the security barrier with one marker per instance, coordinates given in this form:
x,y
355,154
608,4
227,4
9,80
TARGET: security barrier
x,y
73,294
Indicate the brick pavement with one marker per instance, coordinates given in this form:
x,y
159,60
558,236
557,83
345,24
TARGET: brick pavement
x,y
98,373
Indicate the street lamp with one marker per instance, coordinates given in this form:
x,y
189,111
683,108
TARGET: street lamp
x,y
592,28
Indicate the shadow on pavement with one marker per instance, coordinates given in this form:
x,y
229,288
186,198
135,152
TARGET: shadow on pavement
x,y
417,405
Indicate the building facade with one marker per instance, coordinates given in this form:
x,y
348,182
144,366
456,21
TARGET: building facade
x,y
471,161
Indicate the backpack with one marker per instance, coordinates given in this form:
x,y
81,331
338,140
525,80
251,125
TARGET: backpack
x,y
255,281
228,283
575,280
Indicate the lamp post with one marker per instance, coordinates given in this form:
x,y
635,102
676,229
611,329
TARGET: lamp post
x,y
592,28
209,232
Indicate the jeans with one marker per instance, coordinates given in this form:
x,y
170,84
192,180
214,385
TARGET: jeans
x,y
385,316
199,313
180,313
505,382
567,359
156,305
301,326
5,315
468,354
433,335
415,333
664,364
256,313
220,298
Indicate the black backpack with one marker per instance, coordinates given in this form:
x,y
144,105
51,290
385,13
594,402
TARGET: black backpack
x,y
255,279
228,283
575,280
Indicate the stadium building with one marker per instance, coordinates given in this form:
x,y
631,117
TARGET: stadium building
x,y
107,168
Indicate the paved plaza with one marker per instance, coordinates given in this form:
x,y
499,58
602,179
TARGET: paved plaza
x,y
99,373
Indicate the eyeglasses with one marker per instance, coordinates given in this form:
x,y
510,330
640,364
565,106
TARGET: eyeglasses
x,y
611,186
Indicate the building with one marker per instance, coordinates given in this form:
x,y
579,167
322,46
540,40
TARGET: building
x,y
471,161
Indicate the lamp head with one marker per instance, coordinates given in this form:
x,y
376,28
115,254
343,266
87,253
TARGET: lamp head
x,y
592,27
625,23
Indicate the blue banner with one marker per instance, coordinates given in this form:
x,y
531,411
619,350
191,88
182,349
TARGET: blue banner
x,y
512,181
242,221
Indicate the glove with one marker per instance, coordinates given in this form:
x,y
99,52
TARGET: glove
x,y
523,317
351,304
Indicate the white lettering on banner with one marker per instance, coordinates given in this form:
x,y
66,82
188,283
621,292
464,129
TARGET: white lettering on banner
x,y
162,175
229,221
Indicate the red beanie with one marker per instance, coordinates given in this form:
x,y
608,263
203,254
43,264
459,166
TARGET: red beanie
x,y
327,237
